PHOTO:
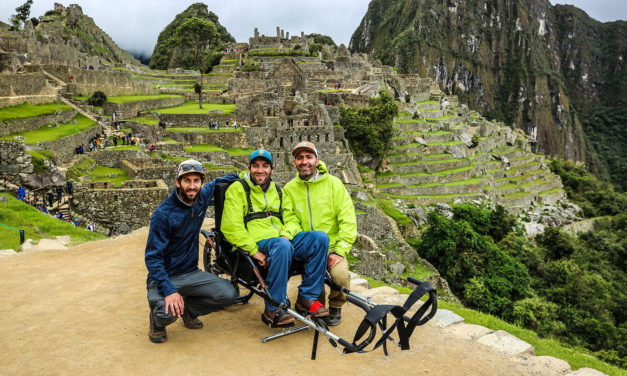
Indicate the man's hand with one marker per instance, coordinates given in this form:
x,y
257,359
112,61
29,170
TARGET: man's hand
x,y
260,257
333,260
174,302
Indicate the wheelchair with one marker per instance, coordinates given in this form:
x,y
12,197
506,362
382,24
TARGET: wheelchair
x,y
220,257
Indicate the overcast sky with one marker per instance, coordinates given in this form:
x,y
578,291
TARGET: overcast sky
x,y
135,25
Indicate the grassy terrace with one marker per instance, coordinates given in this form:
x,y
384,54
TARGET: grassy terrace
x,y
439,173
23,111
118,99
435,133
211,147
409,121
435,197
550,191
431,162
47,133
205,130
191,108
145,120
36,225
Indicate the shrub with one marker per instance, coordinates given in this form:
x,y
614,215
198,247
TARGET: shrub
x,y
98,98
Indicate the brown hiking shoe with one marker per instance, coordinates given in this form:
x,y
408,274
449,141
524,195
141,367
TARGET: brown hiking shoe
x,y
191,322
277,318
156,334
311,307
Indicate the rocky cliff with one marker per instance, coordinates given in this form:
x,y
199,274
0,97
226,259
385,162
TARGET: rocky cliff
x,y
65,36
535,66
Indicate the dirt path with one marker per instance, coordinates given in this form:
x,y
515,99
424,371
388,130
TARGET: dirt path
x,y
84,311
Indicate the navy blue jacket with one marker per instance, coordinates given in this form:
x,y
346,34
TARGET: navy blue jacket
x,y
172,246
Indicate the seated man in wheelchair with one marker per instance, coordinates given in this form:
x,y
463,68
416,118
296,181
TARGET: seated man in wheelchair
x,y
254,220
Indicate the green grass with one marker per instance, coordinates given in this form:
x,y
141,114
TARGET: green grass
x,y
506,186
517,195
49,133
168,140
409,121
136,98
389,209
38,157
388,185
449,143
145,120
550,191
210,147
463,182
205,130
428,102
81,97
25,110
531,183
212,167
36,225
126,147
191,107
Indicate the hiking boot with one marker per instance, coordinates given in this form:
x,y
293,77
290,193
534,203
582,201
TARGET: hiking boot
x,y
191,322
157,334
277,318
334,318
311,307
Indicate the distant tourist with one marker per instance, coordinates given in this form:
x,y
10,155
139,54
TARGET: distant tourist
x,y
21,192
76,222
176,287
91,226
59,215
69,187
50,198
152,147
59,194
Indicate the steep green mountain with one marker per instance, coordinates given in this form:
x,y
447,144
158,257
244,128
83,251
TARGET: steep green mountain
x,y
550,70
166,56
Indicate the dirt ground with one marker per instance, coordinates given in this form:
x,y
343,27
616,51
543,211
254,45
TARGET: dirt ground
x,y
84,311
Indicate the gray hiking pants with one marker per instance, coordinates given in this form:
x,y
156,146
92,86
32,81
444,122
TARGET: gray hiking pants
x,y
202,293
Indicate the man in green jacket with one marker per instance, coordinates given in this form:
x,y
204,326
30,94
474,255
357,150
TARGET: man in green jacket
x,y
321,202
267,229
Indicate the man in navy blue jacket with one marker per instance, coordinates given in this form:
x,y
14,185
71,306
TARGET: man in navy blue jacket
x,y
176,287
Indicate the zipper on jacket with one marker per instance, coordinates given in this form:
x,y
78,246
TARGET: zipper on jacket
x,y
309,204
265,209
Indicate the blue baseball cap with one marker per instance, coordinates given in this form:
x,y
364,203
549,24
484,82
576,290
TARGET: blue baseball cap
x,y
261,153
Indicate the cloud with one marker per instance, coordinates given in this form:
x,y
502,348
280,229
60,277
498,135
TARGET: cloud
x,y
135,25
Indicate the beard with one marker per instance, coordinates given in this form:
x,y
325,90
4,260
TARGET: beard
x,y
188,196
263,183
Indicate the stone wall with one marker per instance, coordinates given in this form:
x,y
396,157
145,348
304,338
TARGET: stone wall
x,y
87,81
189,120
28,124
15,162
113,158
224,139
129,110
124,209
23,84
150,169
63,148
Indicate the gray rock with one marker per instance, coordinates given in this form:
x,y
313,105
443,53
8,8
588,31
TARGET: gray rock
x,y
123,228
506,343
7,252
466,138
444,210
372,263
420,140
533,228
510,137
586,372
444,318
362,196
397,268
444,104
457,152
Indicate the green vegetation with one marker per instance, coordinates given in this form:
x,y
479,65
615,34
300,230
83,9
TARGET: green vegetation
x,y
596,198
97,99
136,98
36,225
369,129
206,130
49,133
192,108
389,209
210,147
564,287
38,157
145,120
25,110
169,52
88,167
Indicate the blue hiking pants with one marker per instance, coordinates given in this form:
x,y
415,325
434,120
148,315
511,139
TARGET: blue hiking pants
x,y
310,247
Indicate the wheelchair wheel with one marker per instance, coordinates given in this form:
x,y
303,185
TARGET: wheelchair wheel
x,y
209,256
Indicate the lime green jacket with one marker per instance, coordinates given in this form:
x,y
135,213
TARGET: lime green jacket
x,y
236,207
323,204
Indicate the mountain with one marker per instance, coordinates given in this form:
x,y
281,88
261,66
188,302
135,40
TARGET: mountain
x,y
550,70
164,56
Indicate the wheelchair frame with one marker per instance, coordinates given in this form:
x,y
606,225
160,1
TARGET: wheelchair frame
x,y
219,257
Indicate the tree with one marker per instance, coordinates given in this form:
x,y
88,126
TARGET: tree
x,y
201,37
23,12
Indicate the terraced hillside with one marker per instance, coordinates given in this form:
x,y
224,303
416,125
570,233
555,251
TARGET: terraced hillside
x,y
451,154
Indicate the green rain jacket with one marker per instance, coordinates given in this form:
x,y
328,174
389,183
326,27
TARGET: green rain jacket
x,y
323,204
236,207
